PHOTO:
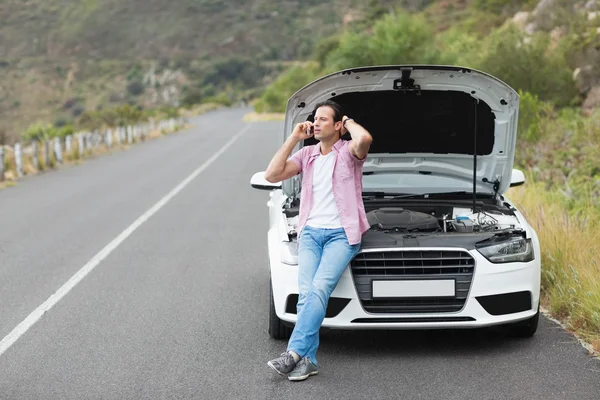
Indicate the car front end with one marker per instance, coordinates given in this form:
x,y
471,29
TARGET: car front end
x,y
426,278
445,248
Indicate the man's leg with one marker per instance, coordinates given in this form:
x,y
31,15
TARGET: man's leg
x,y
310,247
337,253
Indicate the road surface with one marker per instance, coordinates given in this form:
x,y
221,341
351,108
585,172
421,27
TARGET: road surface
x,y
176,305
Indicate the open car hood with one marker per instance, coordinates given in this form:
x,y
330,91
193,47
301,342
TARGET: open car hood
x,y
423,119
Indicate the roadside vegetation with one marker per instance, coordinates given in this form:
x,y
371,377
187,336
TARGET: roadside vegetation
x,y
559,141
98,121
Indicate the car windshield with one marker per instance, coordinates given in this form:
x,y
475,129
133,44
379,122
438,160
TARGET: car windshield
x,y
413,183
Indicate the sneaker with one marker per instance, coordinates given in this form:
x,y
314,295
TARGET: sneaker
x,y
283,364
303,370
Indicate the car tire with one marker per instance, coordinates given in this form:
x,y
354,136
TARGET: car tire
x,y
525,328
277,329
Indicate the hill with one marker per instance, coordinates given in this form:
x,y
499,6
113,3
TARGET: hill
x,y
60,58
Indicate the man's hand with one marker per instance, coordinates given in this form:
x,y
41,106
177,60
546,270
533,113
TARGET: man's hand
x,y
280,168
344,130
303,131
361,138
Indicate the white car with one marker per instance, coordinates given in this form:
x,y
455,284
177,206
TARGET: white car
x,y
446,248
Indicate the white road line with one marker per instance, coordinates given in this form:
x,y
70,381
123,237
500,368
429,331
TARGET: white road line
x,y
28,322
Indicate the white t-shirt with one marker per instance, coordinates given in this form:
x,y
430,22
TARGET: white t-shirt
x,y
324,213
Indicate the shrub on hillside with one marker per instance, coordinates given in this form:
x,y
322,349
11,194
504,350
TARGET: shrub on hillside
x,y
399,38
532,113
221,99
525,64
275,97
565,158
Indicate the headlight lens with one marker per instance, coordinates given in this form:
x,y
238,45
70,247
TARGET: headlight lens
x,y
514,250
289,253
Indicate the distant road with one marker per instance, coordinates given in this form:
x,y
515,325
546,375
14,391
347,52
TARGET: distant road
x,y
176,306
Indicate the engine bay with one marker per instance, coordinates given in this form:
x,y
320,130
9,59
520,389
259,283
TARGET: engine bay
x,y
426,222
458,219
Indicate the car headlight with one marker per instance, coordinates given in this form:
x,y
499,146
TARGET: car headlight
x,y
289,253
513,250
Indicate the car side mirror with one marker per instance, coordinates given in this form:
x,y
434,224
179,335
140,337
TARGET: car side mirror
x,y
518,178
258,181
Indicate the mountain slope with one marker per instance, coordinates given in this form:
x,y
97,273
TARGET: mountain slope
x,y
60,58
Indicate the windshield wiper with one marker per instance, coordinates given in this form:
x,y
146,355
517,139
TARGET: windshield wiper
x,y
427,195
382,194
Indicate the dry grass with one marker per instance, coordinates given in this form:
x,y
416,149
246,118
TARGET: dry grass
x,y
263,117
570,245
200,109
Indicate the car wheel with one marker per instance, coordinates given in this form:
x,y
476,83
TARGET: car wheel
x,y
277,330
525,328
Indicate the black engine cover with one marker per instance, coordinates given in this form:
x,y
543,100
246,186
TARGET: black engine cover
x,y
391,218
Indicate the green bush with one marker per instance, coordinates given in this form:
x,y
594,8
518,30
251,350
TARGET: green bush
x,y
221,99
525,64
399,38
35,132
565,156
324,47
532,111
118,116
192,95
275,97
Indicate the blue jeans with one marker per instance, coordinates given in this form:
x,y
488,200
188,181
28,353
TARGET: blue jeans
x,y
323,255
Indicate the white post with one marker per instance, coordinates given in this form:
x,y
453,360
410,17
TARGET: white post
x,y
109,138
69,143
88,137
57,150
81,148
1,163
36,161
19,159
129,134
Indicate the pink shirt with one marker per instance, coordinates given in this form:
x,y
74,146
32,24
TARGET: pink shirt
x,y
347,188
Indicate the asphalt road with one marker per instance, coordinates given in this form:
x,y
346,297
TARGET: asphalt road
x,y
178,310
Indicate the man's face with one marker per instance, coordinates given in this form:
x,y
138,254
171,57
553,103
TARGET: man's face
x,y
325,128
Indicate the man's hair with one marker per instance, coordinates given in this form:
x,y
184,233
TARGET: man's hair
x,y
337,109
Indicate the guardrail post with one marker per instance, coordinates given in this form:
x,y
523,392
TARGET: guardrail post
x,y
81,147
68,144
129,134
58,150
19,159
109,138
47,152
36,161
1,163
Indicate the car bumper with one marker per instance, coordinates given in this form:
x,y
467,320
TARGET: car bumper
x,y
493,288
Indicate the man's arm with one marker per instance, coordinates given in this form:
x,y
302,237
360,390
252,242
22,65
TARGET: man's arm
x,y
361,138
280,168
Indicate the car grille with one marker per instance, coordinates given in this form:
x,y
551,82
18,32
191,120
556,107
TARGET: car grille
x,y
405,265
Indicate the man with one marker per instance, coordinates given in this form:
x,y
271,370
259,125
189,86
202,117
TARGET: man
x,y
331,223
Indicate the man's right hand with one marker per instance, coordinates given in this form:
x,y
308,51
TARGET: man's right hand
x,y
302,131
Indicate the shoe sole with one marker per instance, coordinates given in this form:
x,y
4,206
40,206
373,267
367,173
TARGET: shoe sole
x,y
275,369
302,377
